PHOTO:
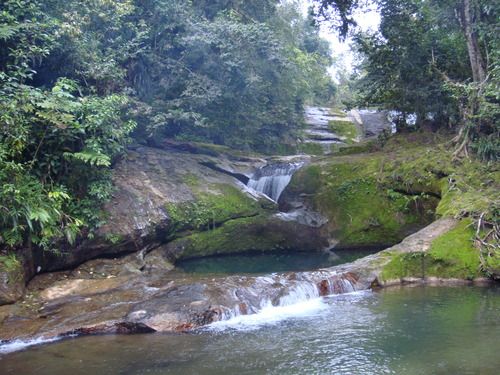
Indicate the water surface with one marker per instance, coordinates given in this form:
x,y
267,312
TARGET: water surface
x,y
264,263
424,330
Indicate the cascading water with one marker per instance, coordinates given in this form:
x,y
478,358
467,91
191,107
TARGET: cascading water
x,y
272,179
269,299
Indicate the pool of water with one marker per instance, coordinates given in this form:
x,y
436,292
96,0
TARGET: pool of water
x,y
262,263
407,331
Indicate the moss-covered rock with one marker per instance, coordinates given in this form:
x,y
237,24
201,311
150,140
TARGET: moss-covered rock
x,y
361,209
450,256
11,279
382,194
258,233
346,129
209,210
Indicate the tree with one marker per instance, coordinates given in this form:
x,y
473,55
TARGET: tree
x,y
469,18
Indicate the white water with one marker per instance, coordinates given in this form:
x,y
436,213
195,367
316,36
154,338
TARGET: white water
x,y
269,315
16,345
271,180
303,298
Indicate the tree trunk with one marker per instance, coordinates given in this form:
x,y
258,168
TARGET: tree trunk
x,y
476,59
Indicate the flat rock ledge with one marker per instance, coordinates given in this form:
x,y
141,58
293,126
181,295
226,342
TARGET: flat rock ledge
x,y
157,300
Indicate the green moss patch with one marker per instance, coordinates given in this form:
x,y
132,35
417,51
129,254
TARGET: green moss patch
x,y
362,210
235,236
10,264
451,255
344,128
210,210
310,148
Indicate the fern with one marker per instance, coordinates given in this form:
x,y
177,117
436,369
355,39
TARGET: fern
x,y
90,157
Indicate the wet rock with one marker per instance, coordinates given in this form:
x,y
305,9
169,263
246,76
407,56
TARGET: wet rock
x,y
258,233
344,197
150,183
11,279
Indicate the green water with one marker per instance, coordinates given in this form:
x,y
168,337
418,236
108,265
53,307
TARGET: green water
x,y
262,263
424,330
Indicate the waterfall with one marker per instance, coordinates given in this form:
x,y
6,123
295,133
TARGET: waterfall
x,y
270,299
272,179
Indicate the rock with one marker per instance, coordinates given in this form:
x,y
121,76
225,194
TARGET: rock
x,y
155,192
11,279
345,196
257,233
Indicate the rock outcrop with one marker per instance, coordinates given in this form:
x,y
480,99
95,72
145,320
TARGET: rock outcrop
x,y
190,196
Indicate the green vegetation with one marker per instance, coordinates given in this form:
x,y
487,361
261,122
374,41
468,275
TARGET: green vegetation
x,y
310,148
10,263
451,255
381,195
234,236
79,79
210,210
346,129
362,198
435,60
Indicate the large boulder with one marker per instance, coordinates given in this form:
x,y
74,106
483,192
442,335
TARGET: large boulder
x,y
160,193
359,200
191,200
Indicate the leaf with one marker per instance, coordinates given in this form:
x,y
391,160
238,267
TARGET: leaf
x,y
90,157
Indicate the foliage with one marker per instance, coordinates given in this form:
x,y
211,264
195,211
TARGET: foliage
x,y
56,143
437,60
75,78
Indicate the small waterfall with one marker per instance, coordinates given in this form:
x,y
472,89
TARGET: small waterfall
x,y
272,179
270,299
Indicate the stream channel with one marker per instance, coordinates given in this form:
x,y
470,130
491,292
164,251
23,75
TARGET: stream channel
x,y
419,330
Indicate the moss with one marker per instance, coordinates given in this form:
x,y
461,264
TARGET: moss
x,y
191,180
337,112
234,236
451,255
10,264
454,254
306,180
471,188
344,128
311,148
210,210
403,265
364,147
363,212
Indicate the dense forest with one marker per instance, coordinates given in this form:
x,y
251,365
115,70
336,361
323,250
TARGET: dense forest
x,y
81,80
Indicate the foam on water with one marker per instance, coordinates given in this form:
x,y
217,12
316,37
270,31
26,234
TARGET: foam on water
x,y
269,315
16,345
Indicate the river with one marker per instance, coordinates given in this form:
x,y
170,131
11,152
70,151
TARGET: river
x,y
417,330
